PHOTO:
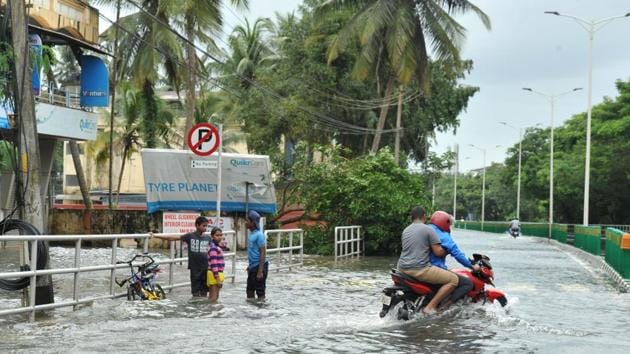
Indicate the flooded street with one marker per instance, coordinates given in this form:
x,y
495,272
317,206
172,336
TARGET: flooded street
x,y
558,302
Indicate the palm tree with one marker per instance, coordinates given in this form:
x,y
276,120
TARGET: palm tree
x,y
197,19
249,53
394,34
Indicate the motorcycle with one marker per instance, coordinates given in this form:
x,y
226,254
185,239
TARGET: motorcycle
x,y
514,232
412,295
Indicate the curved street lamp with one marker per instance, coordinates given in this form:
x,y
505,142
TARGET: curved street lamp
x,y
591,27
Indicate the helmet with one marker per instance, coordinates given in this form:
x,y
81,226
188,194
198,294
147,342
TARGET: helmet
x,y
442,220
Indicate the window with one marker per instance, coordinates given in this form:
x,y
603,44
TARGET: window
x,y
44,4
69,12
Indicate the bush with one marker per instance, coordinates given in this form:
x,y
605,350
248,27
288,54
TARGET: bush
x,y
371,191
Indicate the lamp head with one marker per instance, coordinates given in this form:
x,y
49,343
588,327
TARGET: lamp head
x,y
554,13
527,89
577,89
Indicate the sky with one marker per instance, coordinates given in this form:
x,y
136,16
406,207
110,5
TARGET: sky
x,y
524,48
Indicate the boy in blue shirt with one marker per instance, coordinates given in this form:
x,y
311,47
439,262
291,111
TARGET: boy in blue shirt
x,y
256,254
441,223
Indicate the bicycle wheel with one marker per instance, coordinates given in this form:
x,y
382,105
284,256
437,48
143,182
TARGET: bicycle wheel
x,y
160,292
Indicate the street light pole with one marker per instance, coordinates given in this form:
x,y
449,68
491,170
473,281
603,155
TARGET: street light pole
x,y
520,153
591,27
455,182
483,186
552,100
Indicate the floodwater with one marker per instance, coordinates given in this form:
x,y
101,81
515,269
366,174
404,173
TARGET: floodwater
x,y
559,302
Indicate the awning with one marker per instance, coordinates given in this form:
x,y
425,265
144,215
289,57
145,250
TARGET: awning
x,y
55,37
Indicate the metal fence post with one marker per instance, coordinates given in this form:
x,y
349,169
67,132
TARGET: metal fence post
x,y
77,265
172,254
112,274
290,249
336,229
279,244
33,287
302,248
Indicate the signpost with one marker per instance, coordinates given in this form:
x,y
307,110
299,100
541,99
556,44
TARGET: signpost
x,y
203,140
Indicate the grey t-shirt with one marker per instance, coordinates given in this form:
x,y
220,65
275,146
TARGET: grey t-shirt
x,y
417,239
198,247
515,224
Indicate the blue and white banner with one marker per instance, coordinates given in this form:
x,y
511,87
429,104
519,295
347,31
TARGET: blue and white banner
x,y
35,43
94,82
181,180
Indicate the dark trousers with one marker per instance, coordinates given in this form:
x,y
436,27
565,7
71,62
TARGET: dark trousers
x,y
254,284
198,282
463,287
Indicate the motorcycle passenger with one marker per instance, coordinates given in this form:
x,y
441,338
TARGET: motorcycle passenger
x,y
441,223
418,241
515,227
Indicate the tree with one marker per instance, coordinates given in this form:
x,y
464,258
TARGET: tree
x,y
393,36
371,191
197,19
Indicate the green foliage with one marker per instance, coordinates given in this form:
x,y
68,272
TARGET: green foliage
x,y
6,61
371,191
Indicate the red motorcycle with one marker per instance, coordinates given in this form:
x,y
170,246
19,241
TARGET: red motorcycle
x,y
414,295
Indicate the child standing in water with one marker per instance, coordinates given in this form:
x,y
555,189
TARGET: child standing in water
x,y
216,264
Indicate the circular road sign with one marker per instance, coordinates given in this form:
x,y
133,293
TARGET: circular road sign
x,y
203,139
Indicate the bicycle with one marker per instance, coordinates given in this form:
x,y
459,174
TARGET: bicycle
x,y
142,283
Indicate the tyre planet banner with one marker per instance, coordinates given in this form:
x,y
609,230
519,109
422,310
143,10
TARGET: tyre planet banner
x,y
180,180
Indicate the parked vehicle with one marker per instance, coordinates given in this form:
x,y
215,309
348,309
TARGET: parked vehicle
x,y
142,283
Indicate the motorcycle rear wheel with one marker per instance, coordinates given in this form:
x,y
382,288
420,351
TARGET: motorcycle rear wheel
x,y
502,300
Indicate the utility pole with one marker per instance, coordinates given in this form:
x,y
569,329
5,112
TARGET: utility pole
x,y
398,123
28,144
32,208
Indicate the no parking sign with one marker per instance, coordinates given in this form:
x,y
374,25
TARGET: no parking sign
x,y
203,139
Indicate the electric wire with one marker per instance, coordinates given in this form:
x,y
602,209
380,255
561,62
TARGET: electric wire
x,y
319,116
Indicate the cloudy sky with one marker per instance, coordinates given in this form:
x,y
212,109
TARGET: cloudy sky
x,y
525,48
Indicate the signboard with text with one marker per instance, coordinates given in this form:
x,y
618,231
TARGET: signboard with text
x,y
174,183
182,223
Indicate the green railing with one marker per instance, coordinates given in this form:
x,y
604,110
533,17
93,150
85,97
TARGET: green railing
x,y
588,238
618,251
615,247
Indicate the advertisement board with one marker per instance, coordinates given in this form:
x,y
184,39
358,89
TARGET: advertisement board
x,y
179,180
182,223
94,82
65,122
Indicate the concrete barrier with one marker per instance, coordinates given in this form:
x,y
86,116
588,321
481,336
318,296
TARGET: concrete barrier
x,y
587,238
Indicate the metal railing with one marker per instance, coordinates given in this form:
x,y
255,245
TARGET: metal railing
x,y
67,98
30,242
348,242
285,247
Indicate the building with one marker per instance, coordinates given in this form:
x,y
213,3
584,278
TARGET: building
x,y
63,113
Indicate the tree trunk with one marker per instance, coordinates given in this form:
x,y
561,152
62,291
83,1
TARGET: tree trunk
x,y
32,206
110,173
398,131
76,159
122,170
191,81
381,119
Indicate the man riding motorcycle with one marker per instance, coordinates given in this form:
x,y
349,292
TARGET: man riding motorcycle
x,y
441,223
515,227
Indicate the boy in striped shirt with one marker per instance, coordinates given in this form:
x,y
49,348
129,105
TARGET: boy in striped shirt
x,y
216,264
